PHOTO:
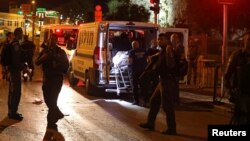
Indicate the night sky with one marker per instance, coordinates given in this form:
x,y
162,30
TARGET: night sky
x,y
48,4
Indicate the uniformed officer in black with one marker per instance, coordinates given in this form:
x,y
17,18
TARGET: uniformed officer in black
x,y
166,67
52,78
15,68
237,79
4,57
28,48
137,62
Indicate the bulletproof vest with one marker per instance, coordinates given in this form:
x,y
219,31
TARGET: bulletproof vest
x,y
164,69
16,60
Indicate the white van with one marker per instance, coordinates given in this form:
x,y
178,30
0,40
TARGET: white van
x,y
64,33
101,54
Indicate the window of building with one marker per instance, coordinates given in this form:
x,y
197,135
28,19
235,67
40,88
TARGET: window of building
x,y
15,23
1,22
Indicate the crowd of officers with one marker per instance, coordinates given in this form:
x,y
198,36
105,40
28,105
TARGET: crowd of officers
x,y
17,50
14,54
154,75
27,50
164,86
157,67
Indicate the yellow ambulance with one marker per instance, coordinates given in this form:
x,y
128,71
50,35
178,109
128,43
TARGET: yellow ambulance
x,y
101,54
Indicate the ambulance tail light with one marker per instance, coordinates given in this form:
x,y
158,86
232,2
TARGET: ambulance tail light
x,y
96,59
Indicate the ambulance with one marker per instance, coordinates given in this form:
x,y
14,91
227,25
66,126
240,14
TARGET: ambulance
x,y
66,34
101,54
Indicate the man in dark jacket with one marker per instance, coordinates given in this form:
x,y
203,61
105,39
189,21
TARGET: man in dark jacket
x,y
166,69
55,64
28,48
15,68
192,58
237,79
5,54
137,62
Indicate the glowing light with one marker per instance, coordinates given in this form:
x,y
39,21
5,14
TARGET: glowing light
x,y
58,30
169,10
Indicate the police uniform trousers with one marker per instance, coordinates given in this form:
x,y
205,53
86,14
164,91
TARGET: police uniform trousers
x,y
192,71
135,77
14,91
176,90
163,94
51,88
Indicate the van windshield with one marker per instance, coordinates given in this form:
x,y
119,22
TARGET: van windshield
x,y
65,34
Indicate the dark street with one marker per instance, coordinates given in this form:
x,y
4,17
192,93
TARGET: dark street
x,y
97,118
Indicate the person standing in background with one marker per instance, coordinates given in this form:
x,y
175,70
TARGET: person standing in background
x,y
179,54
153,49
137,62
192,58
15,83
28,48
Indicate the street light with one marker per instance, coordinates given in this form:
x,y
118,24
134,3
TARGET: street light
x,y
155,8
224,54
33,18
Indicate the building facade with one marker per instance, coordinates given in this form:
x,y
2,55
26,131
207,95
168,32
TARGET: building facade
x,y
30,23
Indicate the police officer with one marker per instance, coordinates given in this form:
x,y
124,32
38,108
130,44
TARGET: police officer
x,y
192,58
153,49
4,54
166,67
15,68
137,62
148,81
28,48
237,79
54,65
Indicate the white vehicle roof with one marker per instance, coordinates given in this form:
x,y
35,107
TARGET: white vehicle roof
x,y
126,23
61,26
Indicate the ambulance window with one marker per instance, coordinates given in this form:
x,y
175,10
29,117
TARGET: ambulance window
x,y
121,41
63,35
71,39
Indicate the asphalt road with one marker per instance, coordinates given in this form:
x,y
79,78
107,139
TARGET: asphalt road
x,y
101,118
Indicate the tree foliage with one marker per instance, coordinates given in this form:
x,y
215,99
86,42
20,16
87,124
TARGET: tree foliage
x,y
124,10
82,10
207,14
201,15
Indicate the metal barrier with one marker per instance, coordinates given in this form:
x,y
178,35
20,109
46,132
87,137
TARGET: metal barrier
x,y
206,71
